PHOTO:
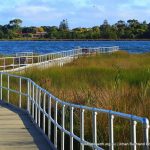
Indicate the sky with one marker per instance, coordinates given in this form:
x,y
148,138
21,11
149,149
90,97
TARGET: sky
x,y
79,13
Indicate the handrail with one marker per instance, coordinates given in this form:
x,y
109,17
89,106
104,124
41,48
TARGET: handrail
x,y
14,63
41,102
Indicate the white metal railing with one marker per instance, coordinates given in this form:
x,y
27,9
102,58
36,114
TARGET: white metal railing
x,y
42,106
18,62
20,54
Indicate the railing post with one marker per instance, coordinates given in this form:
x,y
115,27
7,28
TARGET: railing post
x,y
4,64
28,97
64,54
133,134
82,128
44,112
41,58
55,127
94,127
39,111
33,100
63,126
13,63
50,56
36,104
49,121
46,57
71,127
111,132
8,89
20,86
19,62
146,134
38,59
27,61
1,86
32,59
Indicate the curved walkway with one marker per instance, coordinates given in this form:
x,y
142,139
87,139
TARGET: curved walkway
x,y
18,132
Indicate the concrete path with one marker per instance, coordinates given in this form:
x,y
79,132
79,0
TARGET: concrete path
x,y
17,131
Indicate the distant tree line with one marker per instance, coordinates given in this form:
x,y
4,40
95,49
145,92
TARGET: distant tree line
x,y
132,29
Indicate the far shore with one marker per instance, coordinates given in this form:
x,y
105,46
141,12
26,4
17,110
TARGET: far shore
x,y
74,39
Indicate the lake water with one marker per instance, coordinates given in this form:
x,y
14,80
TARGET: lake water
x,y
11,47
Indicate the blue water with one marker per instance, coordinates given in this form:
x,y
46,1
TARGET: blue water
x,y
11,47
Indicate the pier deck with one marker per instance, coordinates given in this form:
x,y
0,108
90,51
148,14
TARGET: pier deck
x,y
18,132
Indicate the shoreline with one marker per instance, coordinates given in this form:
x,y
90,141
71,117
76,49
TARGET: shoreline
x,y
73,40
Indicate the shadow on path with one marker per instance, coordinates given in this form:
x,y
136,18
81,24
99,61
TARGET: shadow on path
x,y
38,138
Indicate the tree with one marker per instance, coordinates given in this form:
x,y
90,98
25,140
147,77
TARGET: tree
x,y
1,34
95,32
40,29
143,28
53,32
29,30
133,23
132,29
64,25
105,29
120,28
105,23
15,22
147,33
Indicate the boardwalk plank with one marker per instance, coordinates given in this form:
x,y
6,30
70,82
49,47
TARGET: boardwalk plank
x,y
18,132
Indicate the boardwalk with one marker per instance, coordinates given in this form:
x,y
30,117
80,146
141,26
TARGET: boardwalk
x,y
17,131
22,62
57,119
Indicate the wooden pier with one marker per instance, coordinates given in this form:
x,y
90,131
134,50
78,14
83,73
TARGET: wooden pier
x,y
18,132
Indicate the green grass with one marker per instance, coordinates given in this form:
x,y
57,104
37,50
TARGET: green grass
x,y
101,81
118,81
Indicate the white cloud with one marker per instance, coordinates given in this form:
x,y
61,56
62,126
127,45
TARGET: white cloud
x,y
31,10
78,12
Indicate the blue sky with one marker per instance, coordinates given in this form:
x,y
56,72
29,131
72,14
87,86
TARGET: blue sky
x,y
80,13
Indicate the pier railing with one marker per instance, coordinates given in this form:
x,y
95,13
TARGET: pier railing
x,y
21,62
49,113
